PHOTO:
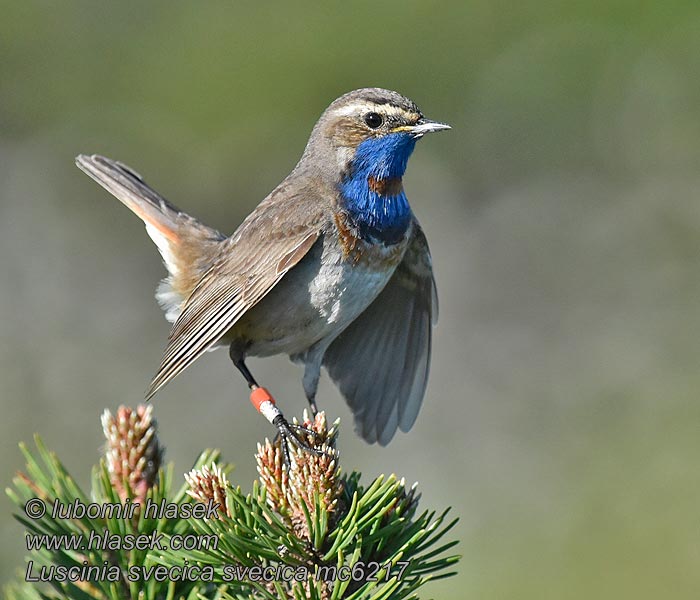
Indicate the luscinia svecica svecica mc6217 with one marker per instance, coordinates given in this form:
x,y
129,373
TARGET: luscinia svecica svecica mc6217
x,y
331,268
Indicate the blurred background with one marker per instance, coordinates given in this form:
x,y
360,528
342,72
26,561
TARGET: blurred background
x,y
562,419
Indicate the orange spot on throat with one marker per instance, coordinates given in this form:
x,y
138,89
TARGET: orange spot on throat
x,y
392,186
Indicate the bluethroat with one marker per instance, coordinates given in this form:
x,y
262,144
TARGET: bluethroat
x,y
331,268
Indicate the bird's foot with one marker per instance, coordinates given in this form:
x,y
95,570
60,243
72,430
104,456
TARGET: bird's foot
x,y
288,433
296,435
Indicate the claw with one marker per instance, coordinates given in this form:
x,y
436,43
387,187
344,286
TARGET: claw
x,y
292,434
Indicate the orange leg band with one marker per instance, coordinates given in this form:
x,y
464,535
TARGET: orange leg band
x,y
260,395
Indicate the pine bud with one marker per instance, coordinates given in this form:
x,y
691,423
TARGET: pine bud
x,y
133,453
209,485
308,475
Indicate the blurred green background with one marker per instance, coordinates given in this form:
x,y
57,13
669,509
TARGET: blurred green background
x,y
561,421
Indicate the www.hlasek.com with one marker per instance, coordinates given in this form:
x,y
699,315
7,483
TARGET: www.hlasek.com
x,y
36,509
106,540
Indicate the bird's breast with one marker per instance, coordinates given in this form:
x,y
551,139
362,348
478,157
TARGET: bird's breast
x,y
351,274
366,253
321,296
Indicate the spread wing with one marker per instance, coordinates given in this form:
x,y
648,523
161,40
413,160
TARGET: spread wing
x,y
253,261
381,361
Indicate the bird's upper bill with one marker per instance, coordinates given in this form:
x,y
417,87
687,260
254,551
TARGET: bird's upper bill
x,y
423,126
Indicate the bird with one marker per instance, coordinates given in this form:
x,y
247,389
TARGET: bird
x,y
332,268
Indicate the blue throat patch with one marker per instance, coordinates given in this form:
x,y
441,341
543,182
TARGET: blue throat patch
x,y
380,216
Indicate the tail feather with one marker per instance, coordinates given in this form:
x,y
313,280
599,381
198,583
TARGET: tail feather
x,y
129,187
187,246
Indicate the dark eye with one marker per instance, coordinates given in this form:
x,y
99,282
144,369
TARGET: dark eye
x,y
374,120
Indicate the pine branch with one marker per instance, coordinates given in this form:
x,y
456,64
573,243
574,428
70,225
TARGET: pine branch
x,y
307,531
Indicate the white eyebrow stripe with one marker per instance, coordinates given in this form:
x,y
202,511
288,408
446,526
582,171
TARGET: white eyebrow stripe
x,y
360,107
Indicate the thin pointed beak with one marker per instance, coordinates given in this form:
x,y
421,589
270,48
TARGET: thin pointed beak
x,y
424,126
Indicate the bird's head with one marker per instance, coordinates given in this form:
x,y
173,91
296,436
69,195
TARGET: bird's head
x,y
371,131
361,145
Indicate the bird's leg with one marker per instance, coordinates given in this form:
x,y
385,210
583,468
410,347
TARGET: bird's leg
x,y
312,406
312,373
265,404
242,367
310,392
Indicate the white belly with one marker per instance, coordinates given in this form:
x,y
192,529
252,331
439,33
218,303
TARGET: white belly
x,y
316,299
340,292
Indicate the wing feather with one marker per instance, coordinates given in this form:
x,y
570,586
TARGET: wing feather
x,y
381,361
232,286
